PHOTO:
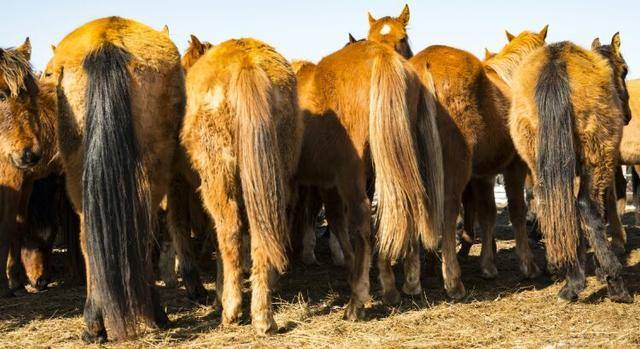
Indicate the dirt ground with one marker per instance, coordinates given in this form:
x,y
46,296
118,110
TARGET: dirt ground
x,y
506,312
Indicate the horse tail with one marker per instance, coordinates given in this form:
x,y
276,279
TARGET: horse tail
x,y
251,95
115,195
556,162
431,155
402,207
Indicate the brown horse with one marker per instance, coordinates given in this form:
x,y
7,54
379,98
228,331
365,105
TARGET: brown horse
x,y
365,112
50,217
28,145
121,99
242,134
569,107
472,104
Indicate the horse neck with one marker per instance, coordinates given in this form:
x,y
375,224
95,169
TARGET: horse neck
x,y
503,65
47,109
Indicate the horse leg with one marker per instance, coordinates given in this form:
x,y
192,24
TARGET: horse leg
x,y
514,179
311,206
592,224
615,228
222,203
411,285
467,238
575,280
635,183
180,232
485,204
450,266
261,283
337,255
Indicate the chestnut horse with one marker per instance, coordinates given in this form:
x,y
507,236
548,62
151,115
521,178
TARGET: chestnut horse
x,y
28,145
365,112
568,109
242,134
472,105
121,100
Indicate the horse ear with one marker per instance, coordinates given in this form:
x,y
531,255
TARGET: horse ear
x,y
509,35
352,39
487,53
25,49
195,42
404,15
543,32
595,44
371,19
165,30
615,43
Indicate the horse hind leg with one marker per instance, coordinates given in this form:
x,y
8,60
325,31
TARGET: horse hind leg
x,y
180,232
225,211
592,224
485,204
514,178
615,228
411,285
467,237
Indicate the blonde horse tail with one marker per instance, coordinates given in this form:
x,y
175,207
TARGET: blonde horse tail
x,y
402,208
251,95
556,163
431,155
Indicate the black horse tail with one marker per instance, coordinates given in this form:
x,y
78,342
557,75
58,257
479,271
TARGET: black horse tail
x,y
115,198
556,161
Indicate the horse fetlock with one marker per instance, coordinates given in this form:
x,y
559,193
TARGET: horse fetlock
x,y
89,337
488,269
412,287
231,312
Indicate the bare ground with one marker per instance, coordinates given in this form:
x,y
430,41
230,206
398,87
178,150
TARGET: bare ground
x,y
506,312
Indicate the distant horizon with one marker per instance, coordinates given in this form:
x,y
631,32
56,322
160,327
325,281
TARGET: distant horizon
x,y
312,29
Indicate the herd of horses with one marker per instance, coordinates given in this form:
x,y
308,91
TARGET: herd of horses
x,y
233,140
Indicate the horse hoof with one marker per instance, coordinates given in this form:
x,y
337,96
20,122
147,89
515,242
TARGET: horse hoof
x,y
391,297
354,312
567,295
230,318
265,328
617,291
530,269
489,272
456,292
90,338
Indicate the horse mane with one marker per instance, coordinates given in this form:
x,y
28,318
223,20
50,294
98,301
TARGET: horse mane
x,y
16,71
507,60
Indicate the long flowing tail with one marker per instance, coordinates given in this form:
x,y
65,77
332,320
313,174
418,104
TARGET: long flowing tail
x,y
431,154
402,207
556,163
115,195
261,173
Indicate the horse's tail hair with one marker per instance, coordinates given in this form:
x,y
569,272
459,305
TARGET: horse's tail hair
x,y
402,208
251,94
115,195
556,163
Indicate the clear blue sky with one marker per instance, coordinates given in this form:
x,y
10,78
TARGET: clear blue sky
x,y
311,29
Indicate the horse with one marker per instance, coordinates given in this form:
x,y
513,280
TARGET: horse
x,y
28,143
50,217
472,104
121,98
568,109
242,134
365,113
629,145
